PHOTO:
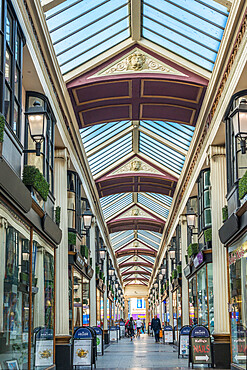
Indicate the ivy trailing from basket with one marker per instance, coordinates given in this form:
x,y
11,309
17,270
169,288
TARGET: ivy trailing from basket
x,y
208,235
71,238
84,251
193,249
2,125
242,186
224,213
33,177
58,215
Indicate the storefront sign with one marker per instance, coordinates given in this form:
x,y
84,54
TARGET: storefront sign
x,y
82,352
82,347
168,334
198,259
184,337
238,253
200,349
99,340
113,334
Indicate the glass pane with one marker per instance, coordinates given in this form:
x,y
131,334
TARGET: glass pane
x,y
207,218
9,29
8,66
210,297
202,297
17,83
16,119
206,179
7,104
86,311
78,317
207,199
14,307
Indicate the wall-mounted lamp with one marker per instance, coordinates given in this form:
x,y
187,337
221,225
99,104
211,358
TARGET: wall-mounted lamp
x,y
239,120
87,219
37,122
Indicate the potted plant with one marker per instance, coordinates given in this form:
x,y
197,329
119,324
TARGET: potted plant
x,y
174,274
2,126
33,178
193,249
71,240
84,251
242,188
208,237
179,270
224,213
58,215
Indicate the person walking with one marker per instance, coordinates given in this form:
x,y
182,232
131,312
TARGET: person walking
x,y
131,328
156,326
138,326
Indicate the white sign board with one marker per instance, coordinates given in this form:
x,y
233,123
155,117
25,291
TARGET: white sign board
x,y
113,335
122,331
168,336
99,344
82,352
184,345
44,353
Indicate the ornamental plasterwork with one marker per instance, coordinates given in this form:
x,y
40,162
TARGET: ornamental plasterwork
x,y
135,212
136,165
138,61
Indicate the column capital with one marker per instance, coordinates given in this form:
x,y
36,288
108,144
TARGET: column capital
x,y
215,151
62,153
3,223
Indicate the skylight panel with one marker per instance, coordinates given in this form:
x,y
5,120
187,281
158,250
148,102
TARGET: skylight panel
x,y
153,206
190,28
176,133
109,199
113,152
162,198
161,153
81,30
117,206
96,135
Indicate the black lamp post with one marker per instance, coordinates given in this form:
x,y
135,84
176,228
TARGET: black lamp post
x,y
37,122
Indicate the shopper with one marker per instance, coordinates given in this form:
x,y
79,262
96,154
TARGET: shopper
x,y
138,326
156,326
131,328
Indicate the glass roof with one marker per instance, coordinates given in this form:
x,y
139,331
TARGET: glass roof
x,y
153,205
81,30
191,28
119,203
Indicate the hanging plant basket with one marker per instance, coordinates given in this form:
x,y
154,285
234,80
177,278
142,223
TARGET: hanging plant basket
x,y
2,126
242,186
193,249
32,177
71,238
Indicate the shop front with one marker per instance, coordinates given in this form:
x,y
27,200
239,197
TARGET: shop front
x,y
27,316
201,311
177,311
238,302
79,291
100,303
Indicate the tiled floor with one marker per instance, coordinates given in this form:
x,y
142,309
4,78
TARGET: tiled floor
x,y
142,353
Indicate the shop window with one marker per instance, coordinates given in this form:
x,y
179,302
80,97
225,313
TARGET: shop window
x,y
14,301
74,202
193,313
86,301
11,45
44,162
192,211
210,297
204,205
202,297
238,302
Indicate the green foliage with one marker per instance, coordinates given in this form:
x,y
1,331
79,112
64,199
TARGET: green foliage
x,y
101,275
57,215
71,238
224,213
33,177
242,186
179,269
192,249
2,125
97,270
208,235
84,251
174,274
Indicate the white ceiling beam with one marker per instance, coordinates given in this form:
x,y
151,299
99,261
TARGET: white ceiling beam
x,y
50,4
163,141
109,141
135,136
135,14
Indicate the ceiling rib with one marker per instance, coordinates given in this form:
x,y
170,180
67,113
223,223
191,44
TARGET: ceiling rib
x,y
135,11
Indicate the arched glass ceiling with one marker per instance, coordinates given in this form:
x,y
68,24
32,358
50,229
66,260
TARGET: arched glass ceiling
x,y
191,28
81,30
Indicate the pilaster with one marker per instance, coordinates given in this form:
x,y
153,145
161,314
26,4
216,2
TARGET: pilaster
x,y
93,321
185,292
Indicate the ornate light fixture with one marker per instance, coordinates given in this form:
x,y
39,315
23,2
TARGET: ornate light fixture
x,y
87,219
239,121
37,122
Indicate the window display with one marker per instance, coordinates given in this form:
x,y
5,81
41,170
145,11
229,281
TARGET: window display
x,y
86,302
238,301
193,318
202,296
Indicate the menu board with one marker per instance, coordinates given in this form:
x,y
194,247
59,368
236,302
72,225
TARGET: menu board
x,y
201,351
168,335
184,345
44,353
82,352
113,334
